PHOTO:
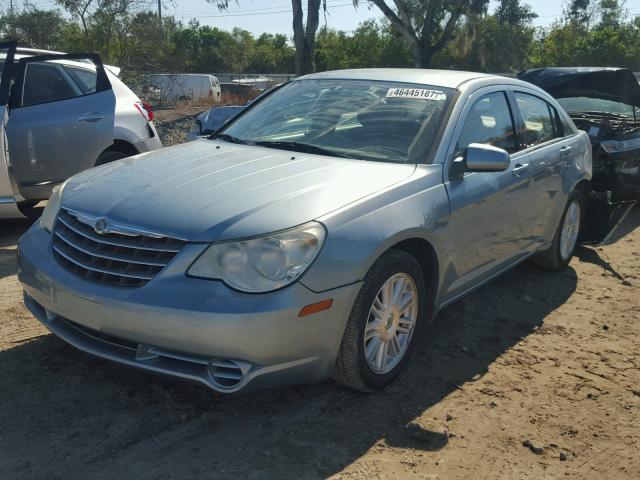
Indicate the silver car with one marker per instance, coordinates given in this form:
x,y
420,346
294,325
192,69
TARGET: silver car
x,y
316,234
66,113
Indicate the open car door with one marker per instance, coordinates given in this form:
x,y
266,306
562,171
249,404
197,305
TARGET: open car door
x,y
8,189
62,110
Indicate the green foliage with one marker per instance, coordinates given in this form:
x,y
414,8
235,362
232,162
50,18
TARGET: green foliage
x,y
370,45
36,28
591,32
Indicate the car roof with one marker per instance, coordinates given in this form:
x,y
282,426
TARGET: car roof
x,y
441,78
37,51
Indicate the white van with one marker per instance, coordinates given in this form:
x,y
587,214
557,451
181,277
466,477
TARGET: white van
x,y
186,86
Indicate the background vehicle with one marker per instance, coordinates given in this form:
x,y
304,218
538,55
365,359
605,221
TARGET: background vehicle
x,y
604,103
316,233
260,83
186,86
213,119
67,113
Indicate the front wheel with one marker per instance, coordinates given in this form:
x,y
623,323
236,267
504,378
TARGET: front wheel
x,y
383,325
564,243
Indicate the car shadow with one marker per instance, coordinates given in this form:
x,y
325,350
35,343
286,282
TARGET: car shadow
x,y
70,415
591,255
631,222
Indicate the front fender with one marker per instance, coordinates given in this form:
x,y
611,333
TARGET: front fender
x,y
360,233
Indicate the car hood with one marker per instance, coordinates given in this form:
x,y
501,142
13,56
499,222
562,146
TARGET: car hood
x,y
213,190
615,84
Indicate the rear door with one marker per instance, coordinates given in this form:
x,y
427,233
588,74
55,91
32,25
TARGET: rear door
x,y
62,116
548,155
8,189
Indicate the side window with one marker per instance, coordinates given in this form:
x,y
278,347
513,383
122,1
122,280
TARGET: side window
x,y
86,80
568,128
45,83
540,122
489,121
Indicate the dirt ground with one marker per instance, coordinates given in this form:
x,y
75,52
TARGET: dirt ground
x,y
173,124
534,376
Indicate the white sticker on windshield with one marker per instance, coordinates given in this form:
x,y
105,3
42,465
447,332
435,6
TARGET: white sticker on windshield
x,y
416,93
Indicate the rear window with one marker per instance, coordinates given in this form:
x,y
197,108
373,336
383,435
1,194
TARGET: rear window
x,y
540,122
85,79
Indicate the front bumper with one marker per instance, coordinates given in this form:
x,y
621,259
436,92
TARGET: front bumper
x,y
186,327
617,172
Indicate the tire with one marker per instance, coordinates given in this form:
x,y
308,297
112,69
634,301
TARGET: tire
x,y
110,156
352,367
29,210
557,256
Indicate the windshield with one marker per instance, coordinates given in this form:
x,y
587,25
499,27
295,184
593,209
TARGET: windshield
x,y
362,119
586,104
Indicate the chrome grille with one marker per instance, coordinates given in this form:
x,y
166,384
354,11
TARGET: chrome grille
x,y
114,258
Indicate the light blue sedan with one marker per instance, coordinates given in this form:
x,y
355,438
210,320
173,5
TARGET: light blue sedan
x,y
316,234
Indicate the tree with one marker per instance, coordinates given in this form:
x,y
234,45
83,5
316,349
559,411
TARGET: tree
x,y
81,10
34,28
304,34
514,13
304,37
427,26
578,12
371,45
271,53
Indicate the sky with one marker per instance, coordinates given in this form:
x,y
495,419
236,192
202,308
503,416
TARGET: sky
x,y
274,16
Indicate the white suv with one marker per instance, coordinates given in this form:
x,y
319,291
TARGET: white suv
x,y
66,113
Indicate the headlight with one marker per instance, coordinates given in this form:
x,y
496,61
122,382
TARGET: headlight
x,y
614,146
52,208
262,264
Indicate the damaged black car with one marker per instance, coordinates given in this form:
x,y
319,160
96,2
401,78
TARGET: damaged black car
x,y
605,103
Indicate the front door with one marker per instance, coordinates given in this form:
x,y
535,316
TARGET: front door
x,y
62,115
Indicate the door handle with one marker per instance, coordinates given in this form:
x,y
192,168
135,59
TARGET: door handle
x,y
520,168
565,151
91,117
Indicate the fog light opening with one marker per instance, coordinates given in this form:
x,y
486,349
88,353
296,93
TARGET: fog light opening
x,y
227,373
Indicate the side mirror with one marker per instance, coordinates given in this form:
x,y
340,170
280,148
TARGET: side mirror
x,y
196,129
479,157
486,158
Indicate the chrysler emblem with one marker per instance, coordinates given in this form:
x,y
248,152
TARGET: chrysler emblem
x,y
101,226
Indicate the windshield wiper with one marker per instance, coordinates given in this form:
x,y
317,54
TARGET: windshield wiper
x,y
300,147
227,138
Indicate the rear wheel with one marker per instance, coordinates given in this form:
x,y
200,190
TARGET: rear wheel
x,y
110,156
564,243
384,322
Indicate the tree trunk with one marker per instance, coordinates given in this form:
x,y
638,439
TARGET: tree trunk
x,y
298,35
422,57
304,38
